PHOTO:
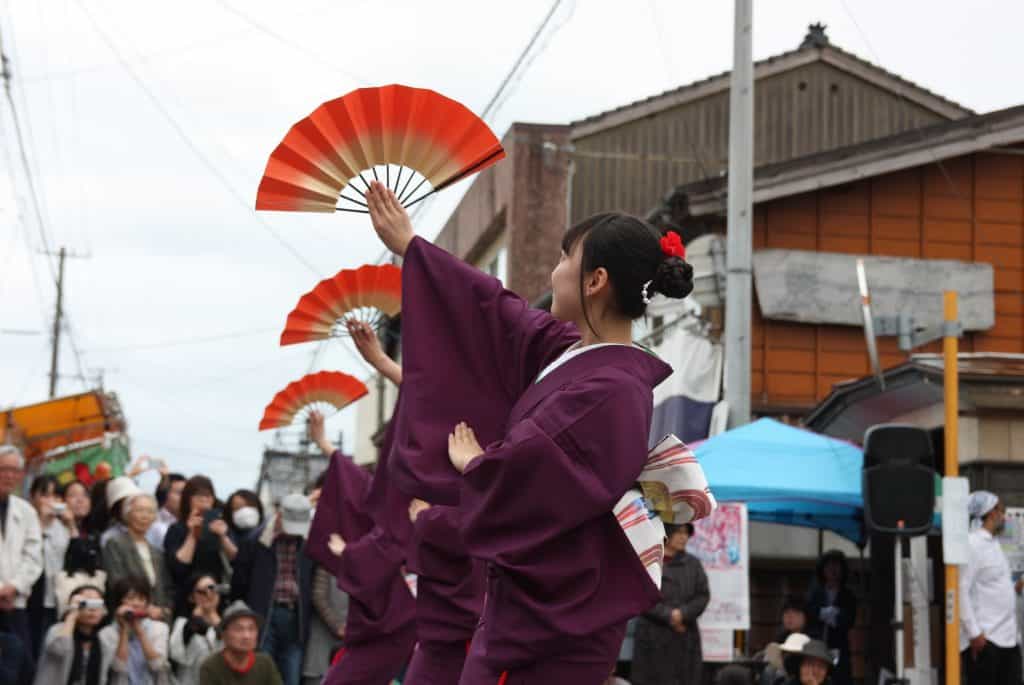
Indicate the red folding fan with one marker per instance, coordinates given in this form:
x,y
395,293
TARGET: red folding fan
x,y
314,391
368,294
428,137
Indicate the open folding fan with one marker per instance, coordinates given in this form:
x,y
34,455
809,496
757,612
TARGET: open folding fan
x,y
405,137
368,294
312,392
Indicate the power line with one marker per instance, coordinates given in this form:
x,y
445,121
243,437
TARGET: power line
x,y
522,56
188,341
903,96
5,72
259,26
196,150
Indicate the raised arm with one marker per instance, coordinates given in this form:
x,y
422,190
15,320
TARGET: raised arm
x,y
370,349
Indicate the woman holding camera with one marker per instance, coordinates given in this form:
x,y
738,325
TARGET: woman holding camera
x,y
198,542
72,652
58,527
195,637
137,642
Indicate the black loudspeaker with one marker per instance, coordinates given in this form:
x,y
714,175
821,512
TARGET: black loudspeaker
x,y
898,480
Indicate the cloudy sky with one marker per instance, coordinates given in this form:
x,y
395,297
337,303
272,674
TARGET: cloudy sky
x,y
148,125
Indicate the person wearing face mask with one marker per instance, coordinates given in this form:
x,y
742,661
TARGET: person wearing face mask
x,y
72,652
245,517
195,637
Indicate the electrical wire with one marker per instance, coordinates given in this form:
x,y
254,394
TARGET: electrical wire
x,y
188,341
519,60
15,119
295,46
906,101
192,146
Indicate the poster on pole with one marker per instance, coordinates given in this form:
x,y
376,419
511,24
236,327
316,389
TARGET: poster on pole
x,y
1012,541
720,542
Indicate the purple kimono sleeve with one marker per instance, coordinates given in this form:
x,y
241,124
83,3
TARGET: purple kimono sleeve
x,y
366,567
340,509
567,464
469,350
388,505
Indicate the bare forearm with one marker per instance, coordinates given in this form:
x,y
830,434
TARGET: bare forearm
x,y
326,446
187,552
230,550
389,368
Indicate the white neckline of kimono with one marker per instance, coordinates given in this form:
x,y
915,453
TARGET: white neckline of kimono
x,y
574,350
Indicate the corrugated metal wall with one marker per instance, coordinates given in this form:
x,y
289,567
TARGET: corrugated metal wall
x,y
809,109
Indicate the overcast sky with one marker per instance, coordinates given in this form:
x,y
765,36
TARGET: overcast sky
x,y
184,290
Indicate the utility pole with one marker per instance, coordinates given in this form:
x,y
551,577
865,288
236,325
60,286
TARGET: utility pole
x,y
740,219
58,317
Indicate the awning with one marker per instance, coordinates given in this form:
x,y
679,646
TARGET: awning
x,y
787,475
40,428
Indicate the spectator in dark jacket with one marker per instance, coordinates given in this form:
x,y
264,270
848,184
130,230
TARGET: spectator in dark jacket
x,y
832,611
667,648
274,577
198,542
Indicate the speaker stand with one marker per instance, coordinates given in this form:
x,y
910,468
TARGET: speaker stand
x,y
897,611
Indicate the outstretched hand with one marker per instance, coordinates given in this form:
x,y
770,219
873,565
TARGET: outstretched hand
x,y
389,218
463,447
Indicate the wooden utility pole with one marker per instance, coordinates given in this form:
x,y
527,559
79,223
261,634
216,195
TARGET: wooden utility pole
x,y
57,317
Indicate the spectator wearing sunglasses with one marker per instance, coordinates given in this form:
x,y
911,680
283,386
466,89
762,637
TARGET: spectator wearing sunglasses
x,y
195,636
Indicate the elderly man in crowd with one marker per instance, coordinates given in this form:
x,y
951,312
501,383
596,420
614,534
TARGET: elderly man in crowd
x,y
239,662
21,547
988,626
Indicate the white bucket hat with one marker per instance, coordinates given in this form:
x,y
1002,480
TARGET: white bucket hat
x,y
120,488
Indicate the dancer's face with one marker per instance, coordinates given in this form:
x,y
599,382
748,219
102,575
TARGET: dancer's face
x,y
565,286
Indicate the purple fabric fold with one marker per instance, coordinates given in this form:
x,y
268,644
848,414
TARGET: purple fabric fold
x,y
469,349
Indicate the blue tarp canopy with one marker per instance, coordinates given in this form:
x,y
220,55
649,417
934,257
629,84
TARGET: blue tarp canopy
x,y
787,475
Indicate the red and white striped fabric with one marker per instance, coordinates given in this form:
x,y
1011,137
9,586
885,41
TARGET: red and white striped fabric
x,y
644,530
673,489
674,484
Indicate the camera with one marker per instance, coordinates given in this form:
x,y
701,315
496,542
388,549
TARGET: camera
x,y
90,604
59,508
132,616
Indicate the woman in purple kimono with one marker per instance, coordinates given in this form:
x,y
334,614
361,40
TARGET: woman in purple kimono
x,y
450,585
365,554
565,416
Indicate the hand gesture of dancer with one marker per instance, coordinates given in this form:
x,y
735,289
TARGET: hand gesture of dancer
x,y
370,349
463,447
389,218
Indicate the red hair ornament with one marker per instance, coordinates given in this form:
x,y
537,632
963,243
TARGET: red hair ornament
x,y
672,245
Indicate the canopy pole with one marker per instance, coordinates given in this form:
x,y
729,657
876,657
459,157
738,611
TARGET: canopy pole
x,y
951,469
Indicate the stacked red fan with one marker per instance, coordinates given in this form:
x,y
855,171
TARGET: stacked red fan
x,y
416,142
331,388
367,294
405,137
